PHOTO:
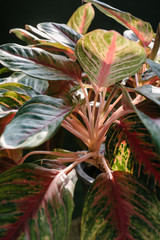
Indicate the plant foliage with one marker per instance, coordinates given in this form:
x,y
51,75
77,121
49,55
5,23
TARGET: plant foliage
x,y
103,88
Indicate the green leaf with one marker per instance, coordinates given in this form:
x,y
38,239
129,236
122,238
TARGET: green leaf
x,y
35,122
142,29
38,85
129,144
152,125
18,88
10,102
118,206
56,48
47,44
61,33
107,57
82,18
25,36
154,66
38,63
36,203
150,92
37,32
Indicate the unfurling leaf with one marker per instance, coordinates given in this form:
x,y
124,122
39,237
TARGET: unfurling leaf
x,y
82,18
38,203
35,122
142,29
107,57
115,208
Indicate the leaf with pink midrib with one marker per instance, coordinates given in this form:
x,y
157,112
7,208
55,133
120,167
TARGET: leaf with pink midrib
x,y
119,208
37,203
82,18
142,29
107,57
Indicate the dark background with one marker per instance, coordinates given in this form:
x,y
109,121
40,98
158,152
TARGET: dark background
x,y
15,14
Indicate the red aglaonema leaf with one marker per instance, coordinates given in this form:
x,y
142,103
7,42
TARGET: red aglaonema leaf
x,y
6,119
119,207
47,44
15,154
60,88
60,33
38,63
129,144
82,18
107,57
6,163
142,29
152,124
35,122
38,202
25,36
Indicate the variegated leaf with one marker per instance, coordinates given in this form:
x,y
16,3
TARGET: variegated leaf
x,y
35,122
154,66
10,102
107,57
47,44
18,88
15,154
60,88
142,29
118,206
38,63
36,203
38,85
5,118
56,48
61,33
25,36
150,92
82,18
152,123
37,32
129,144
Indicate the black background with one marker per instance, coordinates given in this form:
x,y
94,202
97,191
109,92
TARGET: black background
x,y
15,14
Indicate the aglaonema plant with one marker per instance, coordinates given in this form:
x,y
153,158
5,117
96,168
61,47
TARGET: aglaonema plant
x,y
101,87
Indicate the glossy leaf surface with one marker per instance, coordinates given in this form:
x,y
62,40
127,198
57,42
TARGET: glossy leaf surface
x,y
38,63
150,92
152,125
107,57
82,18
142,29
18,88
38,203
5,118
129,144
25,36
35,122
120,207
10,102
61,33
38,85
48,44
154,66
